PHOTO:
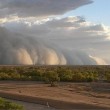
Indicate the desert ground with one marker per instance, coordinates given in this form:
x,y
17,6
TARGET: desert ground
x,y
65,96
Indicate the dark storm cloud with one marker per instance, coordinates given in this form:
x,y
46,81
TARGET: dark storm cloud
x,y
38,8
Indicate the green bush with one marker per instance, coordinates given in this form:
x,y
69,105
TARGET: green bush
x,y
51,77
108,76
65,75
7,105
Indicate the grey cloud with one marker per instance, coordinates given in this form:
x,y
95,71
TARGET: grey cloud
x,y
69,29
38,8
69,34
58,41
20,49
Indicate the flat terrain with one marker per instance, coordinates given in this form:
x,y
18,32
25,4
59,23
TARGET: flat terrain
x,y
78,95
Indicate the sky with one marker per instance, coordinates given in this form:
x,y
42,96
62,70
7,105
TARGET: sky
x,y
97,12
54,32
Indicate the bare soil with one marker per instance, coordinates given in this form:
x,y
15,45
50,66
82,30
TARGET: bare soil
x,y
65,96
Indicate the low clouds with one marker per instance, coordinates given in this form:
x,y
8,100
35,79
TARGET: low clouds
x,y
38,8
70,40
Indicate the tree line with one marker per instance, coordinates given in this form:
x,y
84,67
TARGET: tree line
x,y
56,73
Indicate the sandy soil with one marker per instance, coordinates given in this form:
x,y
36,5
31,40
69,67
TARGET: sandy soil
x,y
66,95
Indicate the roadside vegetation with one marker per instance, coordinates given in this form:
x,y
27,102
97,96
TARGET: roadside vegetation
x,y
52,74
7,105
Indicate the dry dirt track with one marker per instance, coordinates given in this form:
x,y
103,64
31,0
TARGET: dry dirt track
x,y
67,96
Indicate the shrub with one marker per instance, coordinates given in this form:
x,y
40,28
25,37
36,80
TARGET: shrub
x,y
51,77
7,105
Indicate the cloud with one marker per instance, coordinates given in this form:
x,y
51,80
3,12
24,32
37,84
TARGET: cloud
x,y
70,40
38,8
99,60
30,33
18,49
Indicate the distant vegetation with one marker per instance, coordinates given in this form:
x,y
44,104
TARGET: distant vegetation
x,y
53,74
7,105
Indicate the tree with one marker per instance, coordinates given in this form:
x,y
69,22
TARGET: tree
x,y
51,77
66,75
108,76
